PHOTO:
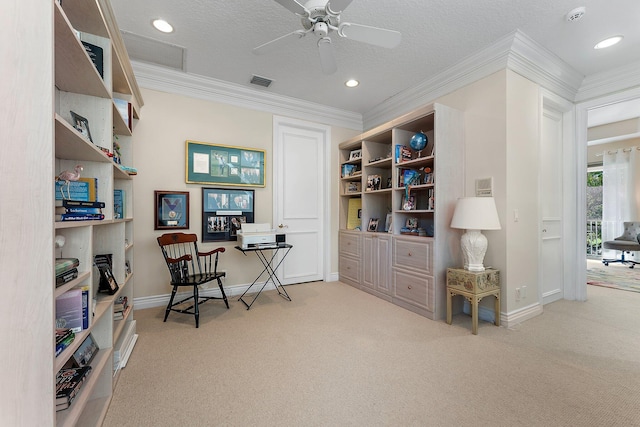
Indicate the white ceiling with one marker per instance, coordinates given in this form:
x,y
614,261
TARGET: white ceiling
x,y
219,36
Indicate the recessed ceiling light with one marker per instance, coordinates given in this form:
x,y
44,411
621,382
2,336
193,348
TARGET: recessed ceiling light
x,y
608,42
352,83
162,25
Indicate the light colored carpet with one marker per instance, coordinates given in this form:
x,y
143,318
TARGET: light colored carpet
x,y
336,356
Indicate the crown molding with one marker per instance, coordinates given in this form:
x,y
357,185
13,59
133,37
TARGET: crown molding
x,y
516,51
611,81
180,83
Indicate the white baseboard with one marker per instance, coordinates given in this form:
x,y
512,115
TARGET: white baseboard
x,y
518,316
162,300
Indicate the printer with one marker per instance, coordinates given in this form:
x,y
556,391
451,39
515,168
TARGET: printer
x,y
256,235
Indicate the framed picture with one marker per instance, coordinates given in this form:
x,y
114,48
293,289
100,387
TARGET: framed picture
x,y
388,224
171,210
373,224
224,165
408,204
412,223
86,352
355,155
223,212
81,125
107,283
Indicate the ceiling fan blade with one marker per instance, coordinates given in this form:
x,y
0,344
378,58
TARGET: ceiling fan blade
x,y
279,42
327,60
337,6
294,7
372,35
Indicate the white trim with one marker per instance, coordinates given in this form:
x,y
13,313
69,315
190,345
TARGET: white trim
x,y
516,51
326,178
582,116
333,277
509,320
209,89
611,81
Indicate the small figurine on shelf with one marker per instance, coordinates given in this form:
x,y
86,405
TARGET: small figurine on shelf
x,y
68,176
116,150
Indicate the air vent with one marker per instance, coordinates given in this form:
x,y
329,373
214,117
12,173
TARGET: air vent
x,y
484,187
261,81
154,51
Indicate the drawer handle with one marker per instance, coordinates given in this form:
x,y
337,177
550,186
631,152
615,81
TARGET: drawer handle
x,y
409,287
409,254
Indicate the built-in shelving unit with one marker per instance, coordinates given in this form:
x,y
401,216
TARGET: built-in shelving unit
x,y
79,87
406,264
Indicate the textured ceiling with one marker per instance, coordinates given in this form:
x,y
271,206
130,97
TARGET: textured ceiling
x,y
219,36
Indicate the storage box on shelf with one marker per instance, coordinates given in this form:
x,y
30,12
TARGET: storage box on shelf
x,y
88,89
406,266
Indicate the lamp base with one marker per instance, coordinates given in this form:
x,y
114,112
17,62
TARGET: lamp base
x,y
474,246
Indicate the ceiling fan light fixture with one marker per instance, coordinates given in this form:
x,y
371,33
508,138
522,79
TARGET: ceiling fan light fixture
x,y
608,42
162,25
351,83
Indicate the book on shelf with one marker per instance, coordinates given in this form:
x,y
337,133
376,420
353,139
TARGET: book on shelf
x,y
64,337
68,384
129,169
69,310
66,277
403,153
85,307
119,210
84,189
354,214
64,265
96,55
79,210
121,304
104,264
79,217
70,203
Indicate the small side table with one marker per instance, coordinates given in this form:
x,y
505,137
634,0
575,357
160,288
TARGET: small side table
x,y
473,285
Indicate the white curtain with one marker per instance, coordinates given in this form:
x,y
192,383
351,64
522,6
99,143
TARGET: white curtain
x,y
619,198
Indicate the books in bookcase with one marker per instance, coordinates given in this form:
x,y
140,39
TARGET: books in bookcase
x,y
119,208
68,384
69,310
64,337
70,203
80,217
84,189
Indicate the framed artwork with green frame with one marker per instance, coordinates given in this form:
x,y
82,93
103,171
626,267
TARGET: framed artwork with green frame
x,y
224,165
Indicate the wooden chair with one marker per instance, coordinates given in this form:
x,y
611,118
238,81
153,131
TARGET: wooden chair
x,y
190,267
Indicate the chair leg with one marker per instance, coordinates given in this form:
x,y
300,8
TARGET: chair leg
x,y
196,300
173,295
224,296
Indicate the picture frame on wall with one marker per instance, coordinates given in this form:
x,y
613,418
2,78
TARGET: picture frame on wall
x,y
224,165
81,125
171,210
224,210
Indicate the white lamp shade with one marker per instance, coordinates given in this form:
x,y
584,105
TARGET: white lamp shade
x,y
476,213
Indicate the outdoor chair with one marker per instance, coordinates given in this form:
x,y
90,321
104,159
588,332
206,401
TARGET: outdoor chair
x,y
189,267
628,242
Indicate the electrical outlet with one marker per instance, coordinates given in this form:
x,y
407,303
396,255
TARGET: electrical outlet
x,y
524,292
517,294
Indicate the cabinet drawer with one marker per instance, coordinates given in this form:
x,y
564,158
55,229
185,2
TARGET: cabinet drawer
x,y
349,244
349,269
413,254
414,289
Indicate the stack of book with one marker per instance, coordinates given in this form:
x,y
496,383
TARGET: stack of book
x,y
68,385
66,270
79,210
403,153
64,337
119,307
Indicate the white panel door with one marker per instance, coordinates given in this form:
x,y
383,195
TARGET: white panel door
x,y
551,260
300,196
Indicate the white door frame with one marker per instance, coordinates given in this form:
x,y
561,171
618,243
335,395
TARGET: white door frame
x,y
279,121
569,227
582,115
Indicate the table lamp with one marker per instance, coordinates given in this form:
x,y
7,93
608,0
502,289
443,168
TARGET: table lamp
x,y
475,214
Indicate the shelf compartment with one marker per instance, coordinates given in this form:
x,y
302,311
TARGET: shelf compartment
x,y
71,145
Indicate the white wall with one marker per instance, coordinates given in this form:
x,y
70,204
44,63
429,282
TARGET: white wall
x,y
167,121
501,141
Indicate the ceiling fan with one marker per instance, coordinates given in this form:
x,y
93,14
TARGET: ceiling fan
x,y
322,17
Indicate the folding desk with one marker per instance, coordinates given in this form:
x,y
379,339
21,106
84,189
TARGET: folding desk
x,y
267,262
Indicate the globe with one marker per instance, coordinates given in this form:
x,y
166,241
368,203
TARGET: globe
x,y
418,142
